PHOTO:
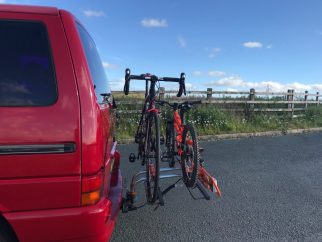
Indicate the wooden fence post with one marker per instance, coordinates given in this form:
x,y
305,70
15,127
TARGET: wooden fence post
x,y
250,106
317,98
251,98
305,98
161,93
209,94
290,98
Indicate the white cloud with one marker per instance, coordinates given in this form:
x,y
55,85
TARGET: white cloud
x,y
213,52
156,23
92,13
230,81
197,73
117,84
251,44
182,42
237,82
174,86
108,65
317,87
190,86
216,73
211,73
299,86
231,90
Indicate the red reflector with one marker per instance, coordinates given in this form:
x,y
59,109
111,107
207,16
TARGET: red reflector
x,y
117,158
116,167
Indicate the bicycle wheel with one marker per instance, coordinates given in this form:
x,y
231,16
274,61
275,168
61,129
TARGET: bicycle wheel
x,y
170,143
152,157
190,156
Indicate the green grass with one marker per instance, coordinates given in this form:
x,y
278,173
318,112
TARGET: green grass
x,y
209,120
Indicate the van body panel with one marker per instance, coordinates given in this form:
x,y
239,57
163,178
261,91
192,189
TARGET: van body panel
x,y
48,125
47,152
97,139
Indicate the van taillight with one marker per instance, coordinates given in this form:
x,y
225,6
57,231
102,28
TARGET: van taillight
x,y
92,189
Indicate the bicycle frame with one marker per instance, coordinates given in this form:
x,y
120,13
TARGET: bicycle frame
x,y
148,108
150,112
178,126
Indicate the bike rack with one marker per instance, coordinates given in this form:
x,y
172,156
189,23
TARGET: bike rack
x,y
204,181
139,177
136,179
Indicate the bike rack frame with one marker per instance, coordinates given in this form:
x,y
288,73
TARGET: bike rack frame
x,y
137,178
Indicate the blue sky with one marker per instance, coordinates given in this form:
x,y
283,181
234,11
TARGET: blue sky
x,y
227,45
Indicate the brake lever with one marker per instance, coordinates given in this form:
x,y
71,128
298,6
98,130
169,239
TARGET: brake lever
x,y
182,83
127,81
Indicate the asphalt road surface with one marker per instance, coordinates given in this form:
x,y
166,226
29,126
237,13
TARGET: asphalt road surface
x,y
272,191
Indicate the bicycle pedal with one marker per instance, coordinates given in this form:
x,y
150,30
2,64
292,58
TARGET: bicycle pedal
x,y
132,157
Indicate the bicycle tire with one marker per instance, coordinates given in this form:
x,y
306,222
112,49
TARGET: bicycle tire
x,y
152,157
170,143
190,157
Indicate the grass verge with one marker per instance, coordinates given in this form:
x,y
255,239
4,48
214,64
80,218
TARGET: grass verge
x,y
209,120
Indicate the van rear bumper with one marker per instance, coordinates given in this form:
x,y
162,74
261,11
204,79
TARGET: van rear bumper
x,y
90,223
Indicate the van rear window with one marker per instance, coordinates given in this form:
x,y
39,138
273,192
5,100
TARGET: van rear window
x,y
27,76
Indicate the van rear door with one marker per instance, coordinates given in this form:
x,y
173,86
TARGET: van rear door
x,y
40,161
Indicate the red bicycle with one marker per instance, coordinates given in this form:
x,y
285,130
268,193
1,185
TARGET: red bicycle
x,y
182,141
148,131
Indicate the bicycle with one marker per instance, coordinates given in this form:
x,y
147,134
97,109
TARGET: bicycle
x,y
182,141
148,132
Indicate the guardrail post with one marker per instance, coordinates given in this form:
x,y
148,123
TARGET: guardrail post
x,y
305,98
209,94
161,93
317,98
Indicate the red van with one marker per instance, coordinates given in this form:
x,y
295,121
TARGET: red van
x,y
59,167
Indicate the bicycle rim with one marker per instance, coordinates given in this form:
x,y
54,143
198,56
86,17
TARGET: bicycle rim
x,y
152,154
190,156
